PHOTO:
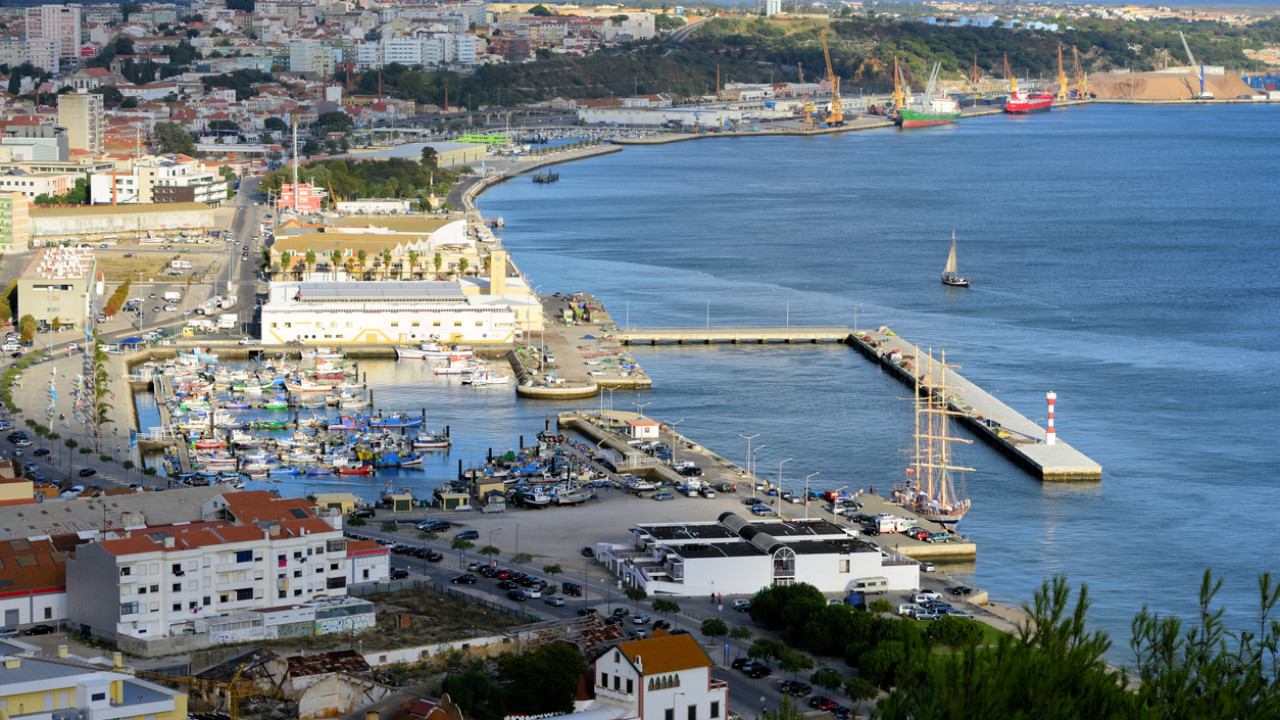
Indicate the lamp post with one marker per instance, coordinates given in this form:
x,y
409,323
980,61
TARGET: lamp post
x,y
491,532
780,462
806,494
856,308
752,464
749,438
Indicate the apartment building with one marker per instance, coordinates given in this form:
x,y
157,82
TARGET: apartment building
x,y
56,22
81,114
159,179
15,223
157,582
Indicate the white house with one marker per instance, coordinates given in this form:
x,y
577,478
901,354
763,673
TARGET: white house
x,y
367,561
643,428
665,677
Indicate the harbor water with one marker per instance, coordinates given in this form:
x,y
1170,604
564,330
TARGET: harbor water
x,y
1123,257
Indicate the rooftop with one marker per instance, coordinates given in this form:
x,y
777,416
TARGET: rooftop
x,y
665,653
87,515
92,210
407,291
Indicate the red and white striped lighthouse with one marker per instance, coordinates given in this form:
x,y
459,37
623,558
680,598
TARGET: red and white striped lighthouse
x,y
1050,437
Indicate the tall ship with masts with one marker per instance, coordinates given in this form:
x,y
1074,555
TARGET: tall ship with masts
x,y
934,487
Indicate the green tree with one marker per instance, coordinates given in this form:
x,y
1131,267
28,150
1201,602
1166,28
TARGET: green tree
x,y
793,662
386,262
552,570
954,631
462,267
430,158
389,526
860,690
539,11
714,628
766,649
741,633
880,605
437,261
666,606
171,138
27,328
357,522
361,255
478,697
311,260
413,263
461,545
826,677
489,550
542,681
636,594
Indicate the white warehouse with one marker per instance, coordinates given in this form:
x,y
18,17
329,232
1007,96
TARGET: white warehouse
x,y
385,312
732,556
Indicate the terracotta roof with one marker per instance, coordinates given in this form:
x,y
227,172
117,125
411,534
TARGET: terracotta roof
x,y
665,653
260,505
34,565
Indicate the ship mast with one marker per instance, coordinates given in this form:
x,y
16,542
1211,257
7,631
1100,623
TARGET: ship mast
x,y
934,467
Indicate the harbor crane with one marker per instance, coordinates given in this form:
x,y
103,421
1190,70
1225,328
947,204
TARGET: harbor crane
x,y
1062,77
835,115
1082,80
1191,59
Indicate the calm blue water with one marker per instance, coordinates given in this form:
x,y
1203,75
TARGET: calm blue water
x,y
1125,258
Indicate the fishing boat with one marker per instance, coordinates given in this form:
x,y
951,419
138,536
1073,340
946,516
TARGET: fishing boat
x,y
356,470
396,421
484,377
409,353
950,275
436,351
271,424
284,471
930,110
566,495
277,404
641,486
930,489
534,497
456,367
431,441
207,444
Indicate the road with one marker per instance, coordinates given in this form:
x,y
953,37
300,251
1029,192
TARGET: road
x,y
745,694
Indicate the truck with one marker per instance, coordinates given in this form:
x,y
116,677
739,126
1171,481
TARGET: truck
x,y
228,321
180,264
172,296
227,302
891,524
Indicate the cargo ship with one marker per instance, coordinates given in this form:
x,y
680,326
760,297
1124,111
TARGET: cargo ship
x,y
1021,102
932,109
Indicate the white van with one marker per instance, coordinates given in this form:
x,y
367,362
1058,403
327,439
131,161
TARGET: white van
x,y
871,585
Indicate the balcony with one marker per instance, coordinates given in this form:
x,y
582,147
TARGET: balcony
x,y
715,684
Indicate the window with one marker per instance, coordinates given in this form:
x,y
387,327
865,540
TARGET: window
x,y
98,697
129,608
281,560
155,588
222,598
435,324
604,679
191,605
669,714
297,592
297,573
479,323
244,556
142,589
244,594
337,582
715,709
282,593
297,555
177,587
126,571
844,566
630,686
617,682
177,569
457,323
48,613
693,712
204,600
333,566
177,607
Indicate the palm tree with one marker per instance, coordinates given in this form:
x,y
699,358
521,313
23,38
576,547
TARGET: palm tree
x,y
333,260
462,267
362,256
488,263
286,261
386,263
437,261
413,263
311,260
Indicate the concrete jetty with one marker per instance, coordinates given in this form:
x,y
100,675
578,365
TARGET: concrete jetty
x,y
1006,428
709,335
164,390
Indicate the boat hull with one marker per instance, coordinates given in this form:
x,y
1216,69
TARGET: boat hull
x,y
1025,105
914,119
410,354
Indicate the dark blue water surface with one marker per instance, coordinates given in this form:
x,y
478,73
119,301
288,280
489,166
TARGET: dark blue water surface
x,y
1126,258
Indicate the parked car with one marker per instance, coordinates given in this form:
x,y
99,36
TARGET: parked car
x,y
8,632
517,595
467,579
927,567
583,612
468,535
363,513
740,663
88,472
663,496
758,671
925,596
554,600
40,629
434,556
640,619
588,552
821,702
960,590
742,605
399,573
661,625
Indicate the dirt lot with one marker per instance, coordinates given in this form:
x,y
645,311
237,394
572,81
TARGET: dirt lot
x,y
152,264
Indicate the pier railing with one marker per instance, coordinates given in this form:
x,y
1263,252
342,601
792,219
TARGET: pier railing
x,y
762,334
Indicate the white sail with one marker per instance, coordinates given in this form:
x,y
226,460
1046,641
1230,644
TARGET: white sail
x,y
951,259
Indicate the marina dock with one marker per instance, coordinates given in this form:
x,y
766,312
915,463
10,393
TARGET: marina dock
x,y
1006,428
163,388
1002,426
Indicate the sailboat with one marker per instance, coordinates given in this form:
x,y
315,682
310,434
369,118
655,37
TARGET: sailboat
x,y
949,274
930,488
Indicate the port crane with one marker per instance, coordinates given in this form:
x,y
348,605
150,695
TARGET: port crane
x,y
835,115
1191,59
899,92
1082,80
1062,77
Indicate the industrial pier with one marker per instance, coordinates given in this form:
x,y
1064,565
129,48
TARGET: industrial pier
x,y
1005,428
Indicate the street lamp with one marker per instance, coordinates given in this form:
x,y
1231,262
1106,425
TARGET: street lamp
x,y
749,438
752,464
806,494
491,532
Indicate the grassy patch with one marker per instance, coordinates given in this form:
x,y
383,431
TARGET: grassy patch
x,y
152,264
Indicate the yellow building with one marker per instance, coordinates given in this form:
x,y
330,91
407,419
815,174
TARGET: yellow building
x,y
15,222
344,502
37,688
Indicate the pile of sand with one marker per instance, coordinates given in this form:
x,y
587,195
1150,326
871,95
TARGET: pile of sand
x,y
1166,86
